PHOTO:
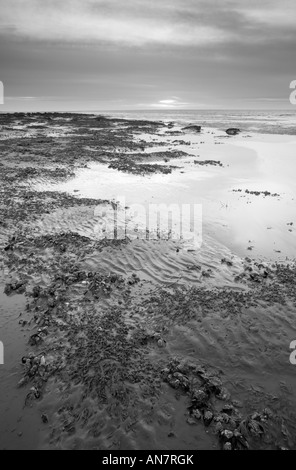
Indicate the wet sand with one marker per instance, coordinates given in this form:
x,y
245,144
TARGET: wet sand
x,y
145,343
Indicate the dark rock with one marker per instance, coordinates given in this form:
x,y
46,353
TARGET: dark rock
x,y
184,381
173,382
8,248
227,446
208,418
44,418
232,131
192,128
227,262
208,162
18,287
196,414
228,409
226,434
214,385
161,343
239,442
35,339
218,427
199,398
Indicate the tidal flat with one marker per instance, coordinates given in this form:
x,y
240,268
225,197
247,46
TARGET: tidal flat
x,y
141,340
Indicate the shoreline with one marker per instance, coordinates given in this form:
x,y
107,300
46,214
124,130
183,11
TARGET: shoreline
x,y
260,121
126,332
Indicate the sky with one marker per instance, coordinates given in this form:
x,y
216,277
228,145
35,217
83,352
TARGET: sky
x,y
146,54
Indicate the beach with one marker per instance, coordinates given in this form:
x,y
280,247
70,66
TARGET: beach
x,y
128,336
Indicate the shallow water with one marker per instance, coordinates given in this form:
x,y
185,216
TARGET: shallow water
x,y
15,418
235,219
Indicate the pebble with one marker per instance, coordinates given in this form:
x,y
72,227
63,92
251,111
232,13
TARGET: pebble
x,y
227,446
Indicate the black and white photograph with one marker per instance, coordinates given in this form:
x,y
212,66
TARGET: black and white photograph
x,y
148,227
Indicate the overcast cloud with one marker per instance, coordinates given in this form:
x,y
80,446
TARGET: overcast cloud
x,y
96,54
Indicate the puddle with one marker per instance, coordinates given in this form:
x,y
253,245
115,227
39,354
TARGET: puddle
x,y
242,221
15,418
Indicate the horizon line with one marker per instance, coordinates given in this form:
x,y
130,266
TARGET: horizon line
x,y
144,110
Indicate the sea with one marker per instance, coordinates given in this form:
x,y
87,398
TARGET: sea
x,y
262,121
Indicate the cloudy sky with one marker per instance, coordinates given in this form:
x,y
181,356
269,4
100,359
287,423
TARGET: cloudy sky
x,y
147,54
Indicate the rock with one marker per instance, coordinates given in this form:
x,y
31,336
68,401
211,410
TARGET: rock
x,y
227,262
196,414
227,446
173,382
214,385
255,427
35,339
44,418
192,128
199,398
184,382
229,409
208,162
232,131
208,418
206,273
8,248
240,440
33,371
17,287
182,368
256,416
33,394
36,291
28,364
226,434
191,421
218,428
165,373
267,413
